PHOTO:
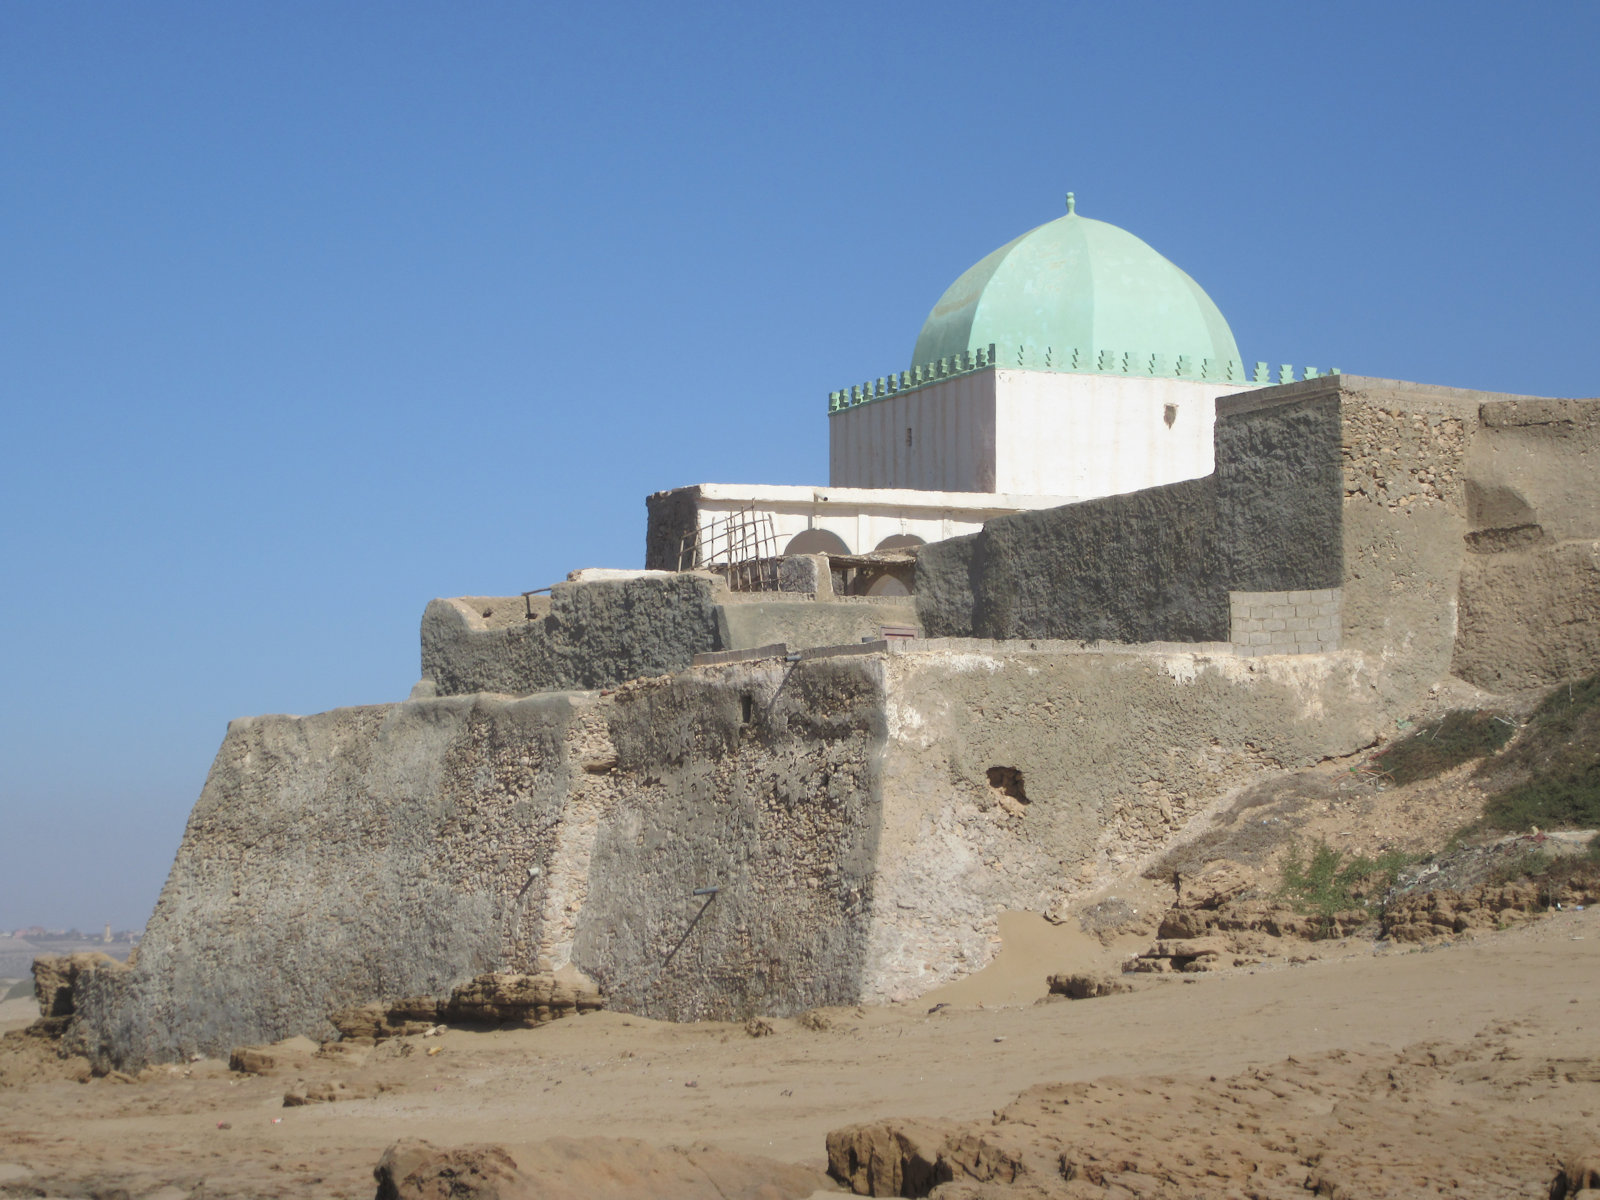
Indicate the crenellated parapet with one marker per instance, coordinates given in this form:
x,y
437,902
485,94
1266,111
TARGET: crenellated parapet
x,y
1070,359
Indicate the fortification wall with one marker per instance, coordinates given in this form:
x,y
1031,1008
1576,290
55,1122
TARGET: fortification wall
x,y
865,814
842,806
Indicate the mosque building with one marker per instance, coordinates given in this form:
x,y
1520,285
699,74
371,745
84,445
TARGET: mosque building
x,y
1073,362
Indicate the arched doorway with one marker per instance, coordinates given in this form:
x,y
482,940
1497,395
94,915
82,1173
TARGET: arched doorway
x,y
816,541
899,541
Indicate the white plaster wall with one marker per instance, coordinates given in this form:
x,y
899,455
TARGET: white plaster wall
x,y
1101,435
863,518
952,443
1029,433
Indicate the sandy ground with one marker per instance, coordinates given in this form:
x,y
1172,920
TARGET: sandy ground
x,y
778,1095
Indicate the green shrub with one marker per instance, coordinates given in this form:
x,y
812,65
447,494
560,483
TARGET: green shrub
x,y
1564,800
1327,882
1461,736
1558,756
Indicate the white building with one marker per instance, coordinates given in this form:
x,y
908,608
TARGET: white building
x,y
1071,363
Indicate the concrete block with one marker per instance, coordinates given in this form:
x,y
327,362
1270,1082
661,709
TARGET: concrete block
x,y
1320,623
1298,623
1260,639
1283,611
1272,626
1306,637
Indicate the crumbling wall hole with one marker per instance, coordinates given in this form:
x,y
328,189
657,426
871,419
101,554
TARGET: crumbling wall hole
x,y
1008,782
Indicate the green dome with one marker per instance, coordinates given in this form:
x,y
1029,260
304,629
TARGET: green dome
x,y
1075,283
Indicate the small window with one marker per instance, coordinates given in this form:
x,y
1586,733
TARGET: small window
x,y
1170,415
908,437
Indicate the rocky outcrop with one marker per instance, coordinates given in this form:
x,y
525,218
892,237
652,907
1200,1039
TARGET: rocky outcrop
x,y
1305,1126
1445,912
585,1168
493,999
1263,915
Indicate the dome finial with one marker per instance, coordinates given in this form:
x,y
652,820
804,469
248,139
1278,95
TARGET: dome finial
x,y
1072,204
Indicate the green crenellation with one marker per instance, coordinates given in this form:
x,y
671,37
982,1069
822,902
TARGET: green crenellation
x,y
1070,360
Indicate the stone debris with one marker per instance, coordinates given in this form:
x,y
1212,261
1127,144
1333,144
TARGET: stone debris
x,y
497,999
248,1060
1083,985
332,1092
1194,955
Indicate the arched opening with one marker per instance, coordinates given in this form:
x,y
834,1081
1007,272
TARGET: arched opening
x,y
899,541
888,585
816,541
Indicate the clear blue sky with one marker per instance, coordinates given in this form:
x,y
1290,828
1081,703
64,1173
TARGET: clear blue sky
x,y
310,312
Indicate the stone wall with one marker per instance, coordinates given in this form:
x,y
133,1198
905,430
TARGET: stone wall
x,y
1160,564
746,622
761,780
1016,776
377,853
1530,583
670,518
1279,518
602,632
360,854
586,635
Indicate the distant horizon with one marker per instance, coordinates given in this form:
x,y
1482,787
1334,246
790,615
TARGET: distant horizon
x,y
316,314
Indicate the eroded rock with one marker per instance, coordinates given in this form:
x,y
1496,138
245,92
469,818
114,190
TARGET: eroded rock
x,y
1420,916
1085,985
